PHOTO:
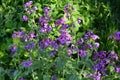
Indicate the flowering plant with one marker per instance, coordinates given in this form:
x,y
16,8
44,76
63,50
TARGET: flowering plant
x,y
53,49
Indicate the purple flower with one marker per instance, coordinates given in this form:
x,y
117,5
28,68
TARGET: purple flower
x,y
46,11
54,77
13,48
27,63
99,55
96,45
64,38
34,8
22,79
82,53
29,3
66,8
18,34
104,62
94,37
60,21
65,26
29,46
89,46
29,11
101,66
97,67
70,51
24,18
110,37
42,20
88,34
79,20
42,30
113,55
47,42
54,45
117,35
102,54
45,28
95,76
52,54
117,69
14,35
32,35
41,44
81,41
26,38
91,35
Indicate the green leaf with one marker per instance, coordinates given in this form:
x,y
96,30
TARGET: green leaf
x,y
17,74
46,77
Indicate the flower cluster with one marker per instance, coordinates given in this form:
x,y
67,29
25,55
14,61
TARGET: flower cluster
x,y
64,38
29,9
102,59
26,37
85,43
43,21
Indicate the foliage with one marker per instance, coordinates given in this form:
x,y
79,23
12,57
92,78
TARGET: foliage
x,y
57,40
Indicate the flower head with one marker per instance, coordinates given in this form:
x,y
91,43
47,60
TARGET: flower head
x,y
96,45
60,21
64,38
54,77
32,35
79,20
70,51
18,34
117,69
52,54
24,18
13,48
113,55
27,4
34,8
117,35
46,11
27,63
29,46
99,55
82,53
94,37
41,44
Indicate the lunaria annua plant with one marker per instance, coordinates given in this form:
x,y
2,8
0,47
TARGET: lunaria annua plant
x,y
51,50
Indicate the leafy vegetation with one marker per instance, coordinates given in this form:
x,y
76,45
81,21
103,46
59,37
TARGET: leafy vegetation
x,y
59,40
